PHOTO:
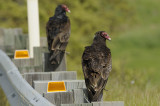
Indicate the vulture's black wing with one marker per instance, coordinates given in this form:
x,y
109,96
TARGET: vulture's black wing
x,y
58,32
96,64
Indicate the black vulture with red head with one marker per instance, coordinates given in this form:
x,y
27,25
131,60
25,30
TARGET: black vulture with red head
x,y
58,33
97,64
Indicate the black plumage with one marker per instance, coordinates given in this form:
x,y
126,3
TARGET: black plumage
x,y
97,64
58,33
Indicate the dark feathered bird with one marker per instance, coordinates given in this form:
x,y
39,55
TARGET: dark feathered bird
x,y
97,64
58,32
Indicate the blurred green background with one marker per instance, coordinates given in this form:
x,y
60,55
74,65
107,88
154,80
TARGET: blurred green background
x,y
134,26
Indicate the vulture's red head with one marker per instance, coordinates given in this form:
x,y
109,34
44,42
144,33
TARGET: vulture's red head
x,y
103,34
64,7
61,9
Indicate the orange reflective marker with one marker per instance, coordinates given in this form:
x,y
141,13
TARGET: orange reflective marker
x,y
21,54
56,87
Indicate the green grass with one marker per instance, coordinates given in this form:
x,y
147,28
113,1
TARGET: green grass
x,y
3,99
132,96
139,49
136,57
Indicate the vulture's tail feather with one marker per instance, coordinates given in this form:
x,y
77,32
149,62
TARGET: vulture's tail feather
x,y
56,56
94,97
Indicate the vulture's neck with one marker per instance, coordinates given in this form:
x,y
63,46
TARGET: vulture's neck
x,y
99,41
60,14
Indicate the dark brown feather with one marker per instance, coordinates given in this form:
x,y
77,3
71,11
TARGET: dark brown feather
x,y
96,64
58,33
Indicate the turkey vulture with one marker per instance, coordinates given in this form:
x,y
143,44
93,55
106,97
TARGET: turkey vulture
x,y
58,32
97,64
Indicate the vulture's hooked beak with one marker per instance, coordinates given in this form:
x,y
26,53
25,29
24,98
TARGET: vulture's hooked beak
x,y
108,38
68,10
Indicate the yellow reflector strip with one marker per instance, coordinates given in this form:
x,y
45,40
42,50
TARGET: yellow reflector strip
x,y
21,54
56,86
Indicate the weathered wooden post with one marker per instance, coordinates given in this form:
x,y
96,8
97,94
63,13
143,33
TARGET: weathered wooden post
x,y
33,25
48,67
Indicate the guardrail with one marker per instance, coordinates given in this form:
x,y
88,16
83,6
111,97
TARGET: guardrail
x,y
17,90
